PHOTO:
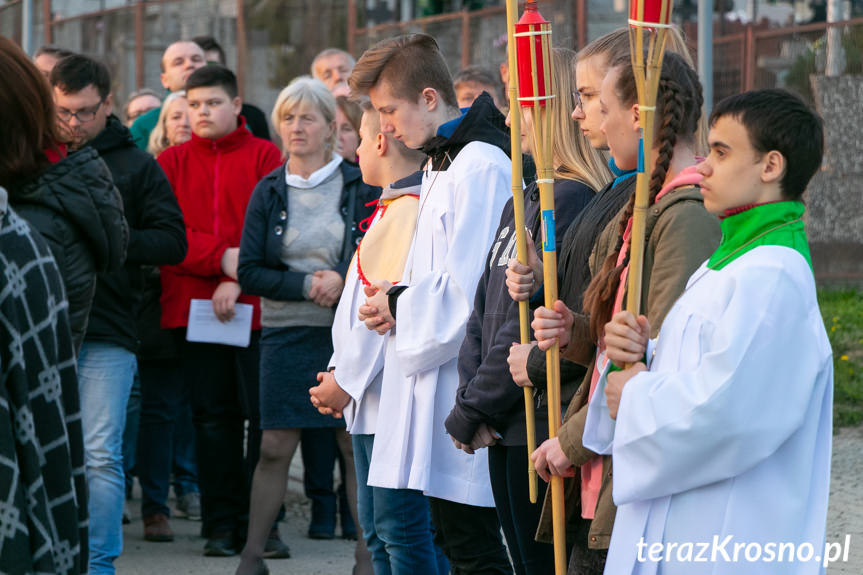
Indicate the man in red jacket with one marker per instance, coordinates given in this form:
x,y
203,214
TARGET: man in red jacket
x,y
213,176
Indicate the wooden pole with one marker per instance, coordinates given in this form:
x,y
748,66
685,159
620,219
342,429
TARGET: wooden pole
x,y
520,237
647,68
542,129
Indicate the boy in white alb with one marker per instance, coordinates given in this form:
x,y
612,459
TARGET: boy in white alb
x,y
465,185
721,447
395,522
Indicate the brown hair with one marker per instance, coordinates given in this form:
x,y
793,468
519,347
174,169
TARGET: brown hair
x,y
678,110
352,111
27,116
409,64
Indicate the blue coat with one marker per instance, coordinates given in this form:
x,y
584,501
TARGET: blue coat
x,y
261,270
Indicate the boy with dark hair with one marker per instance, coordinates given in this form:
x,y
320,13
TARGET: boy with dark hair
x,y
213,176
465,184
723,441
256,120
106,363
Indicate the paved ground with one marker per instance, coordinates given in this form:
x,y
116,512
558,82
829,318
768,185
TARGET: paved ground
x,y
845,516
183,557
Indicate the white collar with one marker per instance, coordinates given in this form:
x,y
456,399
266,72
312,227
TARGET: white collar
x,y
297,181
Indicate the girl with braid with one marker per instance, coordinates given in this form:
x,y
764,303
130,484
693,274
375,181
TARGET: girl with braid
x,y
680,235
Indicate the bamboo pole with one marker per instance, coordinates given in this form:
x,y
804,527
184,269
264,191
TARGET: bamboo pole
x,y
543,126
520,239
647,68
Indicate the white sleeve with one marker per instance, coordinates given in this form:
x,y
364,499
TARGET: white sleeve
x,y
432,312
751,390
358,353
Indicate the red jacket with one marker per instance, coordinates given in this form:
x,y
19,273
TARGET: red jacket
x,y
213,180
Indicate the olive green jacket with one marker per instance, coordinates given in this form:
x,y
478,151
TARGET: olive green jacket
x,y
681,235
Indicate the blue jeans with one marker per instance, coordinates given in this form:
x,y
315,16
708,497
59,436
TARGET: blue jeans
x,y
105,374
130,434
396,523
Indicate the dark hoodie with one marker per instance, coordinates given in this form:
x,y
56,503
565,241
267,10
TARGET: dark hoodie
x,y
482,122
574,270
156,234
75,206
487,393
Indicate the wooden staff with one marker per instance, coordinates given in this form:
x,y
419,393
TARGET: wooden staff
x,y
520,237
651,17
533,34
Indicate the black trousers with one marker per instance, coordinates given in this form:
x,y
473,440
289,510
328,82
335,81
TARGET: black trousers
x,y
519,517
470,538
224,390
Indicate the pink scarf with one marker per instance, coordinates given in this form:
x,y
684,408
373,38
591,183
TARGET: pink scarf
x,y
591,472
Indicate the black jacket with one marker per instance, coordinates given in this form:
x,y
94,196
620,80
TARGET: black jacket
x,y
486,392
261,270
156,234
483,122
75,206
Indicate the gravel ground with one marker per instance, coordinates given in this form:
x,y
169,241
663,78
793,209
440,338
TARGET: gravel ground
x,y
310,557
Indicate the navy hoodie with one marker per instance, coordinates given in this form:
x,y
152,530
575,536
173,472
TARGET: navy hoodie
x,y
487,393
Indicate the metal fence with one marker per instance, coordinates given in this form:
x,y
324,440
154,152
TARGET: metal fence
x,y
755,56
269,43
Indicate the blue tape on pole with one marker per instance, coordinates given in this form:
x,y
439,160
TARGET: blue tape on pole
x,y
641,155
548,243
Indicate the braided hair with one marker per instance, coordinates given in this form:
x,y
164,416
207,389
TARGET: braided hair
x,y
678,107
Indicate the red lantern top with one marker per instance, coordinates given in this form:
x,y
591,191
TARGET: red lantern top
x,y
532,29
652,11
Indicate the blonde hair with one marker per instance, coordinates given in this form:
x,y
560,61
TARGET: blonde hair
x,y
306,89
572,155
158,141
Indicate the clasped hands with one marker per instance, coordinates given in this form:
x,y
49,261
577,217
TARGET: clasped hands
x,y
328,396
375,313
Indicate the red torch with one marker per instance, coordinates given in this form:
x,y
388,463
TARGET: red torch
x,y
533,43
649,21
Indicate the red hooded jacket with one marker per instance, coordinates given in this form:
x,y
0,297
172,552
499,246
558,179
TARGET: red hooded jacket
x,y
213,180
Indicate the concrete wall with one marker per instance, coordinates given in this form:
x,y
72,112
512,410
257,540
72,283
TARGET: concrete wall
x,y
835,195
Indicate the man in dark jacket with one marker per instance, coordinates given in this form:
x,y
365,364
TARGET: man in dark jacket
x,y
106,364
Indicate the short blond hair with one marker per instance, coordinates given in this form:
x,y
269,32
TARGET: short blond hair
x,y
306,89
158,141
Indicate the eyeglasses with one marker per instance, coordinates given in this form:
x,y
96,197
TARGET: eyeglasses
x,y
579,98
83,116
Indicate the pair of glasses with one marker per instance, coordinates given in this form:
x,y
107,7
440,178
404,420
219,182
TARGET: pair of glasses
x,y
579,98
83,116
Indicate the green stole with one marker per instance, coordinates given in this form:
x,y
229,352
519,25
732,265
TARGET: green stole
x,y
773,224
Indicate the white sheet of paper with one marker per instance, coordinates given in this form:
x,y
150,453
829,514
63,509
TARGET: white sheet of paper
x,y
205,327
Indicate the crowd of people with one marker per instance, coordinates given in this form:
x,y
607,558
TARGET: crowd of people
x,y
376,250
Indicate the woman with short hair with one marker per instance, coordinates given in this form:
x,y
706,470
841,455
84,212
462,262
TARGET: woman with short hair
x,y
301,229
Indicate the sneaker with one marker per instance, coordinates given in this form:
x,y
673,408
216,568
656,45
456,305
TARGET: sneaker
x,y
275,548
157,528
220,544
189,504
